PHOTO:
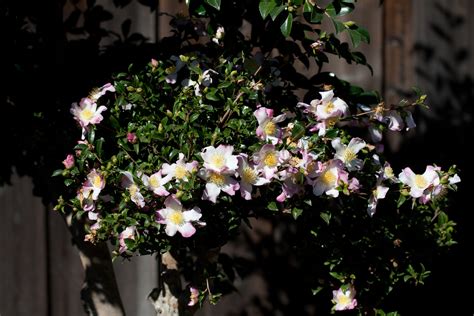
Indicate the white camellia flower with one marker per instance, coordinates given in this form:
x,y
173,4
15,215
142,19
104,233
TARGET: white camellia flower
x,y
344,299
94,184
128,233
156,183
348,153
181,169
177,220
219,159
418,183
268,129
87,113
328,179
249,177
129,184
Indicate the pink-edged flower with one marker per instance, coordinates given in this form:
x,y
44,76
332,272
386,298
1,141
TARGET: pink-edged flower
x,y
329,178
94,184
249,176
132,138
193,296
217,182
129,184
177,220
154,63
219,159
327,110
344,298
291,185
97,93
128,233
420,183
87,113
156,183
268,159
181,169
268,129
68,162
348,153
330,106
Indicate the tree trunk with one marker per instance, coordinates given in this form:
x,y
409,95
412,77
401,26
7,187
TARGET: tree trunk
x,y
168,299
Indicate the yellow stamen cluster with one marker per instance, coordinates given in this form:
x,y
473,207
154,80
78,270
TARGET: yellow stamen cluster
x,y
270,128
217,178
86,114
420,181
97,181
328,178
348,155
249,176
180,172
176,218
270,159
218,160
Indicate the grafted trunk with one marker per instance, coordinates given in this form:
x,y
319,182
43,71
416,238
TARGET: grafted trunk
x,y
168,299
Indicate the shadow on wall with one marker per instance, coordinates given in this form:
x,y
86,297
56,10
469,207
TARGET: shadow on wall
x,y
444,68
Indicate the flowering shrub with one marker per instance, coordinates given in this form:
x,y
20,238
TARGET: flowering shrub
x,y
174,156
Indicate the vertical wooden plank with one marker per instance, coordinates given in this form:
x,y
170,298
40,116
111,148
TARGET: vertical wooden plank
x,y
23,287
368,14
66,275
136,278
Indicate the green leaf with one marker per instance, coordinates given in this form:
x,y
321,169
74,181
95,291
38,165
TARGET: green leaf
x,y
331,10
355,37
326,217
401,200
276,12
358,34
265,7
312,14
338,26
57,172
286,26
272,206
98,146
68,182
297,131
214,3
296,212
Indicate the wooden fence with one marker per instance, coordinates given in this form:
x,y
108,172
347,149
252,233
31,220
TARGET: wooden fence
x,y
40,270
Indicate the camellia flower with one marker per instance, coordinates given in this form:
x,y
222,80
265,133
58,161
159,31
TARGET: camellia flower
x,y
181,169
220,33
249,176
129,184
328,110
348,154
94,184
418,183
344,298
156,183
328,178
269,159
267,125
219,159
68,162
217,182
193,296
378,193
87,113
128,233
97,93
176,220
